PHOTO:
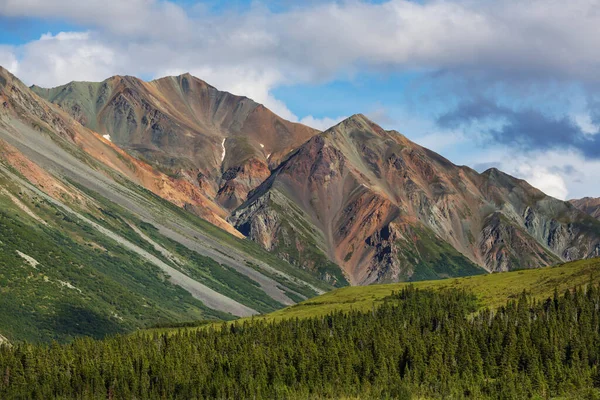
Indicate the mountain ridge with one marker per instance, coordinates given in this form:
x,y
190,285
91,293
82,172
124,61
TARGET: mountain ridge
x,y
400,186
400,199
222,142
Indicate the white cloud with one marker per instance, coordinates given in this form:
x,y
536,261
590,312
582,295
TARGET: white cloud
x,y
145,18
536,38
64,57
548,182
321,124
8,59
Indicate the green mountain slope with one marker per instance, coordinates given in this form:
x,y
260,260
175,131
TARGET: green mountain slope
x,y
490,290
95,242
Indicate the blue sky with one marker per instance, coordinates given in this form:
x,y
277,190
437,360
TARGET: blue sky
x,y
504,83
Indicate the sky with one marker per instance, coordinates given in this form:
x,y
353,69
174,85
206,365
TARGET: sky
x,y
509,84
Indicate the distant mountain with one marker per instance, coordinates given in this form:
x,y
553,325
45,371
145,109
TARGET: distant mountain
x,y
386,209
94,241
224,144
588,205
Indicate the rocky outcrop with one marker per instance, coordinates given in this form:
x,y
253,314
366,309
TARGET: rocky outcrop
x,y
588,205
386,209
241,180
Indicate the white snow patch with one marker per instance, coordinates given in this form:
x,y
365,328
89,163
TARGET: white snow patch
x,y
107,137
32,261
69,285
223,146
262,145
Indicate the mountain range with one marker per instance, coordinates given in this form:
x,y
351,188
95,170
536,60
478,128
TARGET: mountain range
x,y
127,203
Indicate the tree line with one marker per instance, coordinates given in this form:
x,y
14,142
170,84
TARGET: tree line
x,y
418,343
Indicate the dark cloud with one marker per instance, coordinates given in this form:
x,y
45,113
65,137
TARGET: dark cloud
x,y
527,129
469,112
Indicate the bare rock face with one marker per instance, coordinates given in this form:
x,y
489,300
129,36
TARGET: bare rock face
x,y
241,180
260,222
186,128
588,205
24,106
385,209
355,204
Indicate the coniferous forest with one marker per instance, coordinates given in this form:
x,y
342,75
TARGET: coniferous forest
x,y
418,344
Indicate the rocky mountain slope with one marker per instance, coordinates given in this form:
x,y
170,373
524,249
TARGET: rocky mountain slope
x,y
355,203
588,205
94,241
222,143
386,209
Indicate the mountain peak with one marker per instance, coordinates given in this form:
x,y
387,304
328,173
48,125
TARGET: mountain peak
x,y
356,122
357,119
491,171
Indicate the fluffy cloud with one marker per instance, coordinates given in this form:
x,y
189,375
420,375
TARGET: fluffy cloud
x,y
142,18
64,57
321,124
8,59
509,37
506,39
548,182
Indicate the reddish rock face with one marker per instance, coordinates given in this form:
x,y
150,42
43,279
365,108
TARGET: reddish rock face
x,y
588,205
386,209
356,203
241,180
26,106
222,143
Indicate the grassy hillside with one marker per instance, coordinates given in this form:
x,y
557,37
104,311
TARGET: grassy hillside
x,y
491,290
419,344
61,278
